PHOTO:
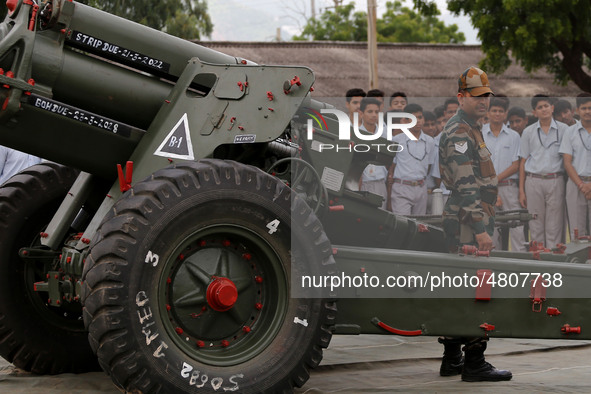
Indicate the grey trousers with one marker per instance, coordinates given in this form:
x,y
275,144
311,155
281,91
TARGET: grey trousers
x,y
409,200
510,197
545,198
578,209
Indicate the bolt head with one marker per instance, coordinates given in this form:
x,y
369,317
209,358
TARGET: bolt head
x,y
11,5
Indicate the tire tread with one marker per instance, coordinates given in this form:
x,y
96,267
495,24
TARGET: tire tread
x,y
99,285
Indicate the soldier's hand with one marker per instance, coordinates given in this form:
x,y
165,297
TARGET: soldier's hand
x,y
523,200
488,209
484,240
499,202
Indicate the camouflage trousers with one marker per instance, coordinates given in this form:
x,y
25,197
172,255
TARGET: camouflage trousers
x,y
458,234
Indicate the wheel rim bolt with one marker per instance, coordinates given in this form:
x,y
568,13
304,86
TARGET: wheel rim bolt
x,y
258,306
202,243
258,279
225,343
181,257
247,256
200,344
168,280
246,329
168,307
226,243
179,330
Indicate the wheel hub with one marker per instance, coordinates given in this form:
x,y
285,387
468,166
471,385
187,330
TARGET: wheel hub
x,y
202,295
221,294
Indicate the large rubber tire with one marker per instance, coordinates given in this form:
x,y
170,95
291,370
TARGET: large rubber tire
x,y
150,283
34,336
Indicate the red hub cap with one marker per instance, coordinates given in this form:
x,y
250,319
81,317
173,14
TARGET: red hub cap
x,y
221,294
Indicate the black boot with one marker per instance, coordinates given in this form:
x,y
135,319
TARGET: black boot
x,y
453,360
478,370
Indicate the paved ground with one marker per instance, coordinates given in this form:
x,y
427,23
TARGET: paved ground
x,y
380,364
376,364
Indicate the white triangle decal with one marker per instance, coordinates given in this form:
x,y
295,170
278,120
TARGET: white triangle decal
x,y
177,144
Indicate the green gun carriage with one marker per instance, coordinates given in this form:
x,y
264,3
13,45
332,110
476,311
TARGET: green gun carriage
x,y
182,208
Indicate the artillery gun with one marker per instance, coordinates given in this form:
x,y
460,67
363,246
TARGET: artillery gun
x,y
178,245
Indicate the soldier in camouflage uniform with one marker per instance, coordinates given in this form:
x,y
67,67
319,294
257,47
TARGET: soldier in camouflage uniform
x,y
468,217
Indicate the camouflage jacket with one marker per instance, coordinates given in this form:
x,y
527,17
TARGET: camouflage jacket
x,y
467,170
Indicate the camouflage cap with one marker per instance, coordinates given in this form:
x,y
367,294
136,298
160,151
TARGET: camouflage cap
x,y
475,81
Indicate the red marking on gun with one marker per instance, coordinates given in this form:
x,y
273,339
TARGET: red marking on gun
x,y
125,181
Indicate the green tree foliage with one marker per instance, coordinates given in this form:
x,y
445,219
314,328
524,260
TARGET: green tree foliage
x,y
402,24
398,24
183,18
340,24
537,33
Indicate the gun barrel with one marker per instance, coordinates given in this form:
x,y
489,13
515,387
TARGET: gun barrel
x,y
115,33
510,218
93,66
